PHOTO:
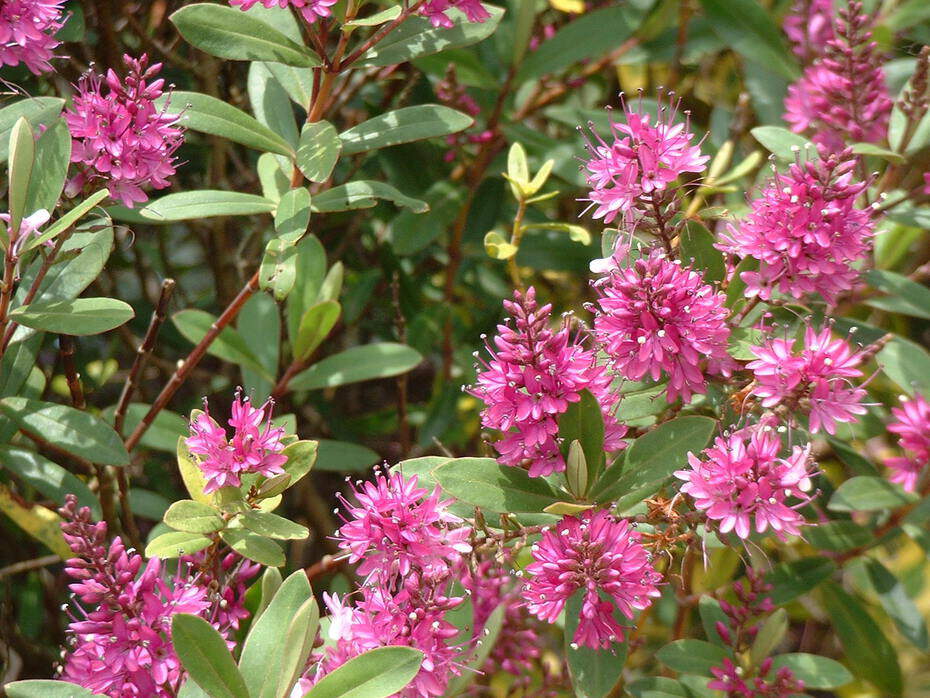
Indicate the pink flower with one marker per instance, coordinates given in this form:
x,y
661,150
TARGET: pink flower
x,y
927,183
639,164
805,230
532,376
731,679
843,96
600,556
742,480
815,380
27,32
398,528
255,446
912,424
435,11
657,316
809,26
120,135
309,9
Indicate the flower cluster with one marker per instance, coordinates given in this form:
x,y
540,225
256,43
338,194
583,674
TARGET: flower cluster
x,y
843,96
120,134
601,557
396,528
656,316
741,481
27,32
532,376
255,446
809,26
310,10
644,156
815,380
912,424
805,230
436,11
120,643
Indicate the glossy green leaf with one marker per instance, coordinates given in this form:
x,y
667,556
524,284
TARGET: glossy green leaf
x,y
794,578
273,526
229,345
904,296
205,203
78,316
299,637
711,613
193,517
259,325
69,219
697,243
897,604
818,673
864,493
301,456
45,688
36,110
366,362
783,143
254,547
770,634
205,656
658,687
403,126
292,215
318,151
377,673
584,422
48,478
341,456
175,544
692,656
363,194
485,483
315,326
22,160
271,105
53,157
750,30
594,673
278,270
838,536
907,364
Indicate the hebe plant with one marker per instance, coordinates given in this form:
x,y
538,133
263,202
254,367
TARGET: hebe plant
x,y
703,464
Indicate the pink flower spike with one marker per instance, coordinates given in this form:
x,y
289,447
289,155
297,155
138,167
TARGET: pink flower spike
x,y
27,33
809,26
435,11
601,557
310,10
912,424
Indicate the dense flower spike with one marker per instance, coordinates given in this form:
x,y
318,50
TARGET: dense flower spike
x,y
656,316
436,11
602,557
255,446
912,424
644,156
805,230
843,96
532,376
741,480
397,528
815,379
310,10
27,32
120,134
809,26
122,647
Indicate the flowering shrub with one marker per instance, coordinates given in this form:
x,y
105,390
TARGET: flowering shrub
x,y
355,348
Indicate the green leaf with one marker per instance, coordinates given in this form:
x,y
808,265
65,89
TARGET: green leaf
x,y
278,270
594,673
318,151
193,517
36,110
769,636
76,432
205,203
897,604
175,544
341,456
299,637
593,34
485,483
692,656
273,526
78,317
410,232
417,37
265,645
363,194
877,151
838,536
45,688
48,478
377,673
228,346
292,216
311,269
271,105
864,493
907,364
22,160
53,156
254,547
780,141
870,654
583,421
658,687
859,464
367,362
191,474
748,28
651,460
203,653
301,455
697,243
711,613
403,126
259,325
819,673
200,112
69,219
315,326
498,247
227,32
905,296
797,577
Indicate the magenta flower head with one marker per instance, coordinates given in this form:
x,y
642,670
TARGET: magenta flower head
x,y
741,480
255,446
600,556
641,157
657,316
396,528
435,11
532,376
912,424
27,33
119,133
809,26
815,380
310,10
805,230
